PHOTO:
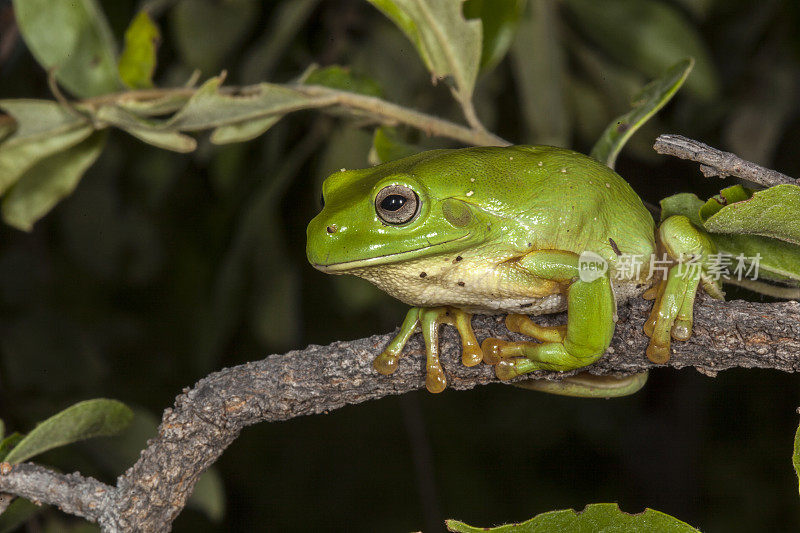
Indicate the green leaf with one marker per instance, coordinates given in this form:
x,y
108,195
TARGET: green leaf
x,y
539,67
595,517
499,19
48,181
72,37
686,204
388,146
726,196
341,78
84,420
208,495
8,443
652,98
770,212
449,44
138,60
19,512
43,128
796,454
649,35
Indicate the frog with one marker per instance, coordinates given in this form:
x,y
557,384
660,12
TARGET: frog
x,y
519,231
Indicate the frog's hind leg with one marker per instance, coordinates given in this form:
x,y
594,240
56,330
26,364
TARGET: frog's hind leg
x,y
672,314
590,324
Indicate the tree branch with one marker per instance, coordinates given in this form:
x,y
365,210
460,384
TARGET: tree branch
x,y
715,162
209,416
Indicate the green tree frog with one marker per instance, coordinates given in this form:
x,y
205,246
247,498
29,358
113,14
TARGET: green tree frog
x,y
519,230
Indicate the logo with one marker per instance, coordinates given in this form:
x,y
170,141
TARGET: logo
x,y
591,266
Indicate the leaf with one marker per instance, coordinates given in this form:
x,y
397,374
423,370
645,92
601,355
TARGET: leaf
x,y
449,44
388,146
595,517
243,131
206,31
726,196
138,60
208,495
43,128
770,212
796,454
343,79
779,261
84,420
8,443
73,38
209,108
499,19
539,68
19,512
146,130
649,35
48,181
652,98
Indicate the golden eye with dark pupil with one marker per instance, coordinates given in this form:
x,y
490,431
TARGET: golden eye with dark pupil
x,y
397,204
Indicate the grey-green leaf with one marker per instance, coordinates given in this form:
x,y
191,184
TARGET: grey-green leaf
x,y
652,98
388,146
84,420
73,38
43,128
243,131
595,517
449,44
48,181
770,212
8,443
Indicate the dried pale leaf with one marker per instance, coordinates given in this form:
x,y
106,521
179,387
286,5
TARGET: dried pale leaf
x,y
48,181
209,108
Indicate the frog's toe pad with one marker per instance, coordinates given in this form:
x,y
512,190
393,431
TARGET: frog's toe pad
x,y
681,330
435,380
385,363
492,350
471,355
658,353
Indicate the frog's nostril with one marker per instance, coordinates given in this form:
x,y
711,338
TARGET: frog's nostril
x,y
332,228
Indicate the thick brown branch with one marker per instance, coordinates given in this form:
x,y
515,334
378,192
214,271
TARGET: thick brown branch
x,y
209,416
715,162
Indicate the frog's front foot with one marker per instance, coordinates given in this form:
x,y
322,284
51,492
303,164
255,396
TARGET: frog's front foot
x,y
672,313
429,319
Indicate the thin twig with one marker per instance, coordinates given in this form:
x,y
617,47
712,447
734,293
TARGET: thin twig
x,y
715,162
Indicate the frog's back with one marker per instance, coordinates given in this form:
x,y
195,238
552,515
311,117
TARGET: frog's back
x,y
552,198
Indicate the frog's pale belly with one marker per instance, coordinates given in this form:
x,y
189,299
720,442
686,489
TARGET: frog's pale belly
x,y
478,286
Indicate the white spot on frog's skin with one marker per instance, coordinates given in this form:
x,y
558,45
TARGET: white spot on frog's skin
x,y
472,180
510,158
342,170
470,193
564,170
540,163
608,185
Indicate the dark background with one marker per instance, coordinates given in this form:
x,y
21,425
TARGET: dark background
x,y
161,268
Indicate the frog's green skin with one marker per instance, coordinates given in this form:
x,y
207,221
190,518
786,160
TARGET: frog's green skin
x,y
500,230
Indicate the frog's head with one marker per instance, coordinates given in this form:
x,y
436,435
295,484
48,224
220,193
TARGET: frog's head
x,y
388,215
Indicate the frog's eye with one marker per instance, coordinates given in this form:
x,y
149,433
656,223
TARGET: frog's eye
x,y
397,204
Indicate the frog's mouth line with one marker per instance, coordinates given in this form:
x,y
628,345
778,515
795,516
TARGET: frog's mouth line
x,y
337,268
